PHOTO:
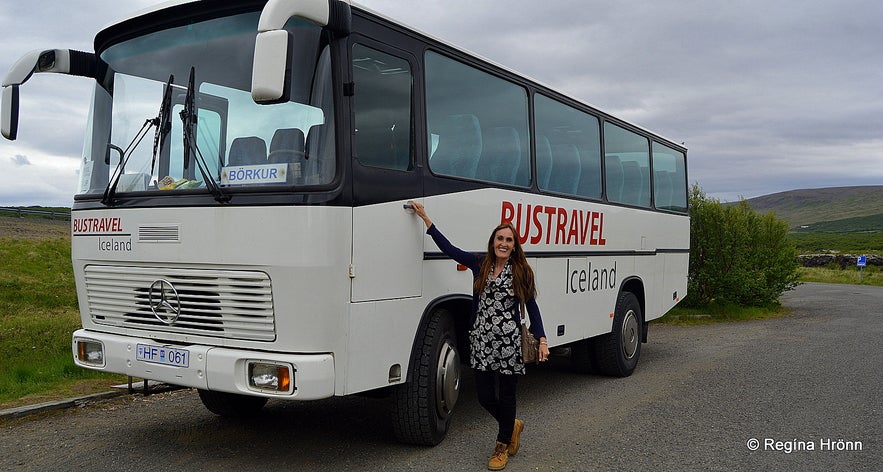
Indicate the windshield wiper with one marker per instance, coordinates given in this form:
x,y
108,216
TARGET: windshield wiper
x,y
162,122
163,125
188,117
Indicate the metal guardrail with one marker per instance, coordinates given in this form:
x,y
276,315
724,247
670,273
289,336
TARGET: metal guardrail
x,y
51,214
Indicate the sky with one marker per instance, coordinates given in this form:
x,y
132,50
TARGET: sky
x,y
767,95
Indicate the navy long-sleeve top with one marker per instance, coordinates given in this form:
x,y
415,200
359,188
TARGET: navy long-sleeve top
x,y
473,262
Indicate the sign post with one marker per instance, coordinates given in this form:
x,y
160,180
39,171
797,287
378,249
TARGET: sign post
x,y
861,263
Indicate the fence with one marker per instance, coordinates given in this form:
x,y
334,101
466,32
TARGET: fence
x,y
51,214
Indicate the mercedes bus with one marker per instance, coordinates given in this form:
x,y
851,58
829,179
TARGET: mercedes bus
x,y
241,224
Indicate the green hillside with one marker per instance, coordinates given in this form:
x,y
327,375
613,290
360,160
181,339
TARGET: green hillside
x,y
835,209
859,224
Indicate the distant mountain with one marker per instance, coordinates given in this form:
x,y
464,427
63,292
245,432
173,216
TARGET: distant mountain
x,y
848,208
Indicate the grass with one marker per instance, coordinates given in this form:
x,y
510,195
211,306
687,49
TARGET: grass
x,y
857,225
871,275
846,243
38,313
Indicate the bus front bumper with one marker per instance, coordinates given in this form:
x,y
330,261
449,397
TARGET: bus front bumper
x,y
273,375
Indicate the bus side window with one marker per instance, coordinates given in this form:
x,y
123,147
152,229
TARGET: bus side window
x,y
568,149
628,166
478,123
382,106
669,178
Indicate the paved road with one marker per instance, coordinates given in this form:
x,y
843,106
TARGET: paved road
x,y
699,395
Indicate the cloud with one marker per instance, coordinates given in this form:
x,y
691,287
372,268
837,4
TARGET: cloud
x,y
20,160
767,96
45,180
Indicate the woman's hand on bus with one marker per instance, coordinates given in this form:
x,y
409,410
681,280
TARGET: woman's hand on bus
x,y
421,212
544,350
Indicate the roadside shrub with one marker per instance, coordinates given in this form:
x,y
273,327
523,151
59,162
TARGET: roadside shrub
x,y
737,256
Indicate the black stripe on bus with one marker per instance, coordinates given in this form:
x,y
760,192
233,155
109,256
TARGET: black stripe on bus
x,y
428,256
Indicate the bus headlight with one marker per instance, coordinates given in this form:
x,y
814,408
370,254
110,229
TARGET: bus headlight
x,y
90,352
270,377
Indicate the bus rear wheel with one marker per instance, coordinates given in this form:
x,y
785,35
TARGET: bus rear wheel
x,y
616,353
232,405
424,404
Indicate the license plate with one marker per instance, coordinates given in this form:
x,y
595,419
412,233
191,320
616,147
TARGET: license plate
x,y
164,355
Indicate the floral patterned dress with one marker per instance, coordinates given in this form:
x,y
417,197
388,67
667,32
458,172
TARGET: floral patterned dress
x,y
495,339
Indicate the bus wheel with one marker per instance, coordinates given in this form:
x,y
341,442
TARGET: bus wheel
x,y
423,405
616,353
230,404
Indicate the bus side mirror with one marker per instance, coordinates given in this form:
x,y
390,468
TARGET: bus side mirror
x,y
9,126
271,56
272,49
61,61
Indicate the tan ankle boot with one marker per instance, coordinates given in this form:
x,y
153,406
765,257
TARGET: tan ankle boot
x,y
515,443
500,458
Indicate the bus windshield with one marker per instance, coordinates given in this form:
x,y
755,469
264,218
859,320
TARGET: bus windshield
x,y
141,139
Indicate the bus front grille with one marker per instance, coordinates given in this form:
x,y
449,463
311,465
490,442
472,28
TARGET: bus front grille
x,y
220,303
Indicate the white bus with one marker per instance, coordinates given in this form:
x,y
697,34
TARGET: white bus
x,y
240,224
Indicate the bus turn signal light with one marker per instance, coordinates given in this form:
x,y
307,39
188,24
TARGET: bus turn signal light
x,y
90,352
275,378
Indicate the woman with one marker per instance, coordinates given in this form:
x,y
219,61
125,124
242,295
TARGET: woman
x,y
503,281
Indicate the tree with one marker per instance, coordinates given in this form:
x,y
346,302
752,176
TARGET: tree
x,y
737,256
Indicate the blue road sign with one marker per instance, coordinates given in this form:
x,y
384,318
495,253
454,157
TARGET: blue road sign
x,y
862,261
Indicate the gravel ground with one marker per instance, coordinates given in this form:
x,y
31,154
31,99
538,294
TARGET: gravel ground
x,y
33,228
802,386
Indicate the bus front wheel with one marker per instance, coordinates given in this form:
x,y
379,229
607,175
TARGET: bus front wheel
x,y
616,353
423,405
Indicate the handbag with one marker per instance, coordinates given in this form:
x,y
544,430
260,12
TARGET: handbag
x,y
530,346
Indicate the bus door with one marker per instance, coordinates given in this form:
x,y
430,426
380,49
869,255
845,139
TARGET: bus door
x,y
387,240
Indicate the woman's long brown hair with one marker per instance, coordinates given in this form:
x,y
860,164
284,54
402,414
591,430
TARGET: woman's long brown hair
x,y
522,274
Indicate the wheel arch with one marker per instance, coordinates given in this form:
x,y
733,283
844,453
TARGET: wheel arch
x,y
635,285
459,305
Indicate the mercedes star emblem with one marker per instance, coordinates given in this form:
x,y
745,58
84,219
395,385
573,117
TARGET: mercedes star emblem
x,y
164,301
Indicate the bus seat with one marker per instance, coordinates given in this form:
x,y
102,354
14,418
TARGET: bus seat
x,y
631,183
565,169
664,190
614,178
459,146
544,162
500,156
287,147
590,175
246,151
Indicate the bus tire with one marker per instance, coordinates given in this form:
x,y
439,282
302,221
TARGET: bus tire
x,y
423,405
232,405
616,353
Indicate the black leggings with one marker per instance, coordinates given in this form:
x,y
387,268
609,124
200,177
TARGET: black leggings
x,y
501,405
